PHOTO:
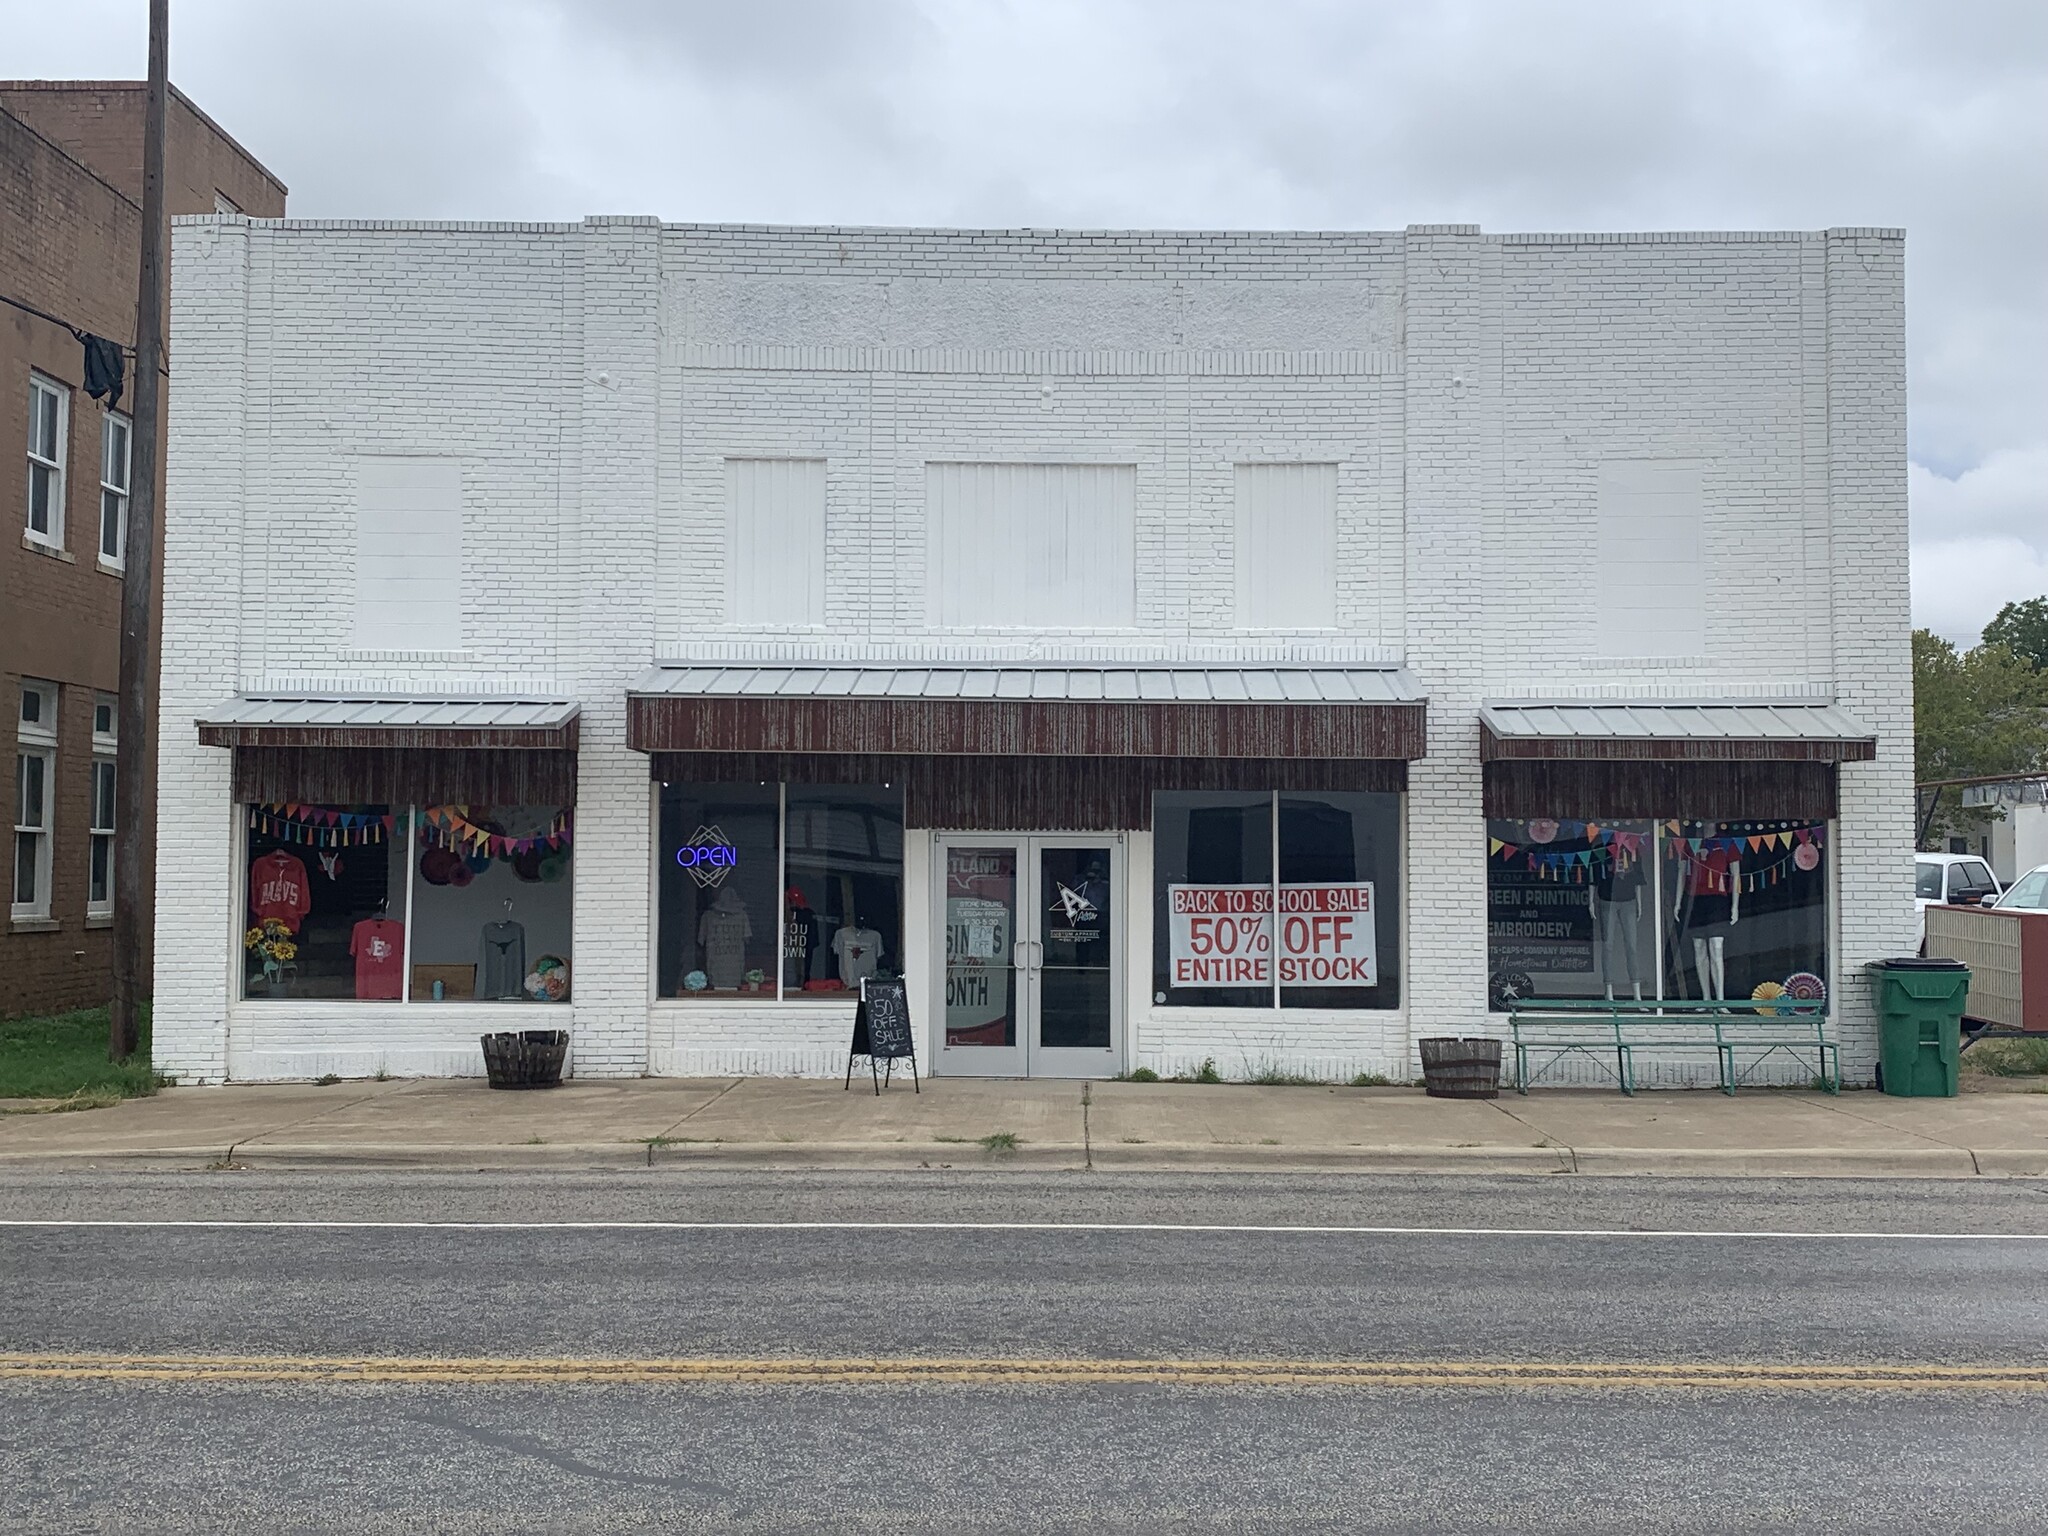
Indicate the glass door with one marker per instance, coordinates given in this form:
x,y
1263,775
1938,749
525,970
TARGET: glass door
x,y
981,953
1031,956
1073,959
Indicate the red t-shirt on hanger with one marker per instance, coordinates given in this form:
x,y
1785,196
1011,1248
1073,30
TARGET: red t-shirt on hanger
x,y
378,943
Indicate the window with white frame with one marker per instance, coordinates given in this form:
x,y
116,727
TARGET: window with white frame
x,y
35,771
48,409
114,456
99,883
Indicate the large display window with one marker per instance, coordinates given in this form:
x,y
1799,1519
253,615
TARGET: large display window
x,y
777,891
1654,910
1276,900
423,904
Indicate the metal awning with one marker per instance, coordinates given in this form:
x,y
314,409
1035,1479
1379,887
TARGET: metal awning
x,y
1706,731
1106,711
391,721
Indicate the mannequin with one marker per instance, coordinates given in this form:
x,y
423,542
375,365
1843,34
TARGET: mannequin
x,y
1714,883
724,931
1616,898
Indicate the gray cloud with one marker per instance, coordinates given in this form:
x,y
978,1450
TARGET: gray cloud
x,y
1516,115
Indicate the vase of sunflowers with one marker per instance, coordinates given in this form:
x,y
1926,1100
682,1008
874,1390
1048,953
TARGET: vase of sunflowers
x,y
276,949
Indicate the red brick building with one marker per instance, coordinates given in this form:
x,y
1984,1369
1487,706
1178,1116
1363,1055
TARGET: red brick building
x,y
70,238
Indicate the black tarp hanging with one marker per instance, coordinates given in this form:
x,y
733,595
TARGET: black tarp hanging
x,y
105,371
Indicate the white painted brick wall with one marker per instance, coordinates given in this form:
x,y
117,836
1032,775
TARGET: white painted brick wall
x,y
592,379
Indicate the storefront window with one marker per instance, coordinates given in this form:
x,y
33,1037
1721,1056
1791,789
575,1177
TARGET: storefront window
x,y
774,891
1215,935
491,906
1746,905
843,887
324,889
718,858
1570,909
328,913
1340,892
1735,909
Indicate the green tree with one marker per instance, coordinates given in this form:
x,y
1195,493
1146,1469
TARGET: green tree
x,y
2022,628
1976,714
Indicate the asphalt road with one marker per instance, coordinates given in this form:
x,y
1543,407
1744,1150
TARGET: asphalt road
x,y
1652,1288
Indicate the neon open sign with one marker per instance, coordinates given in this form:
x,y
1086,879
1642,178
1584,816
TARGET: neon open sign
x,y
708,856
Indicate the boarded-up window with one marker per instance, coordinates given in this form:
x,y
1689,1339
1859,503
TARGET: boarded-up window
x,y
1286,546
1648,585
775,539
1033,546
408,554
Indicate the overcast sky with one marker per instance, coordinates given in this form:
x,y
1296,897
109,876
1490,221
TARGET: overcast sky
x,y
1514,115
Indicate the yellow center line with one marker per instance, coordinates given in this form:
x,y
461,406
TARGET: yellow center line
x,y
348,1369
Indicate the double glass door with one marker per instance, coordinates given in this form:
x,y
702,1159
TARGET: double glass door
x,y
1032,937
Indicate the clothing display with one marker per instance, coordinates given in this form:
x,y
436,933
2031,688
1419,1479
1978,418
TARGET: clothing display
x,y
803,944
859,951
278,888
503,972
378,944
725,931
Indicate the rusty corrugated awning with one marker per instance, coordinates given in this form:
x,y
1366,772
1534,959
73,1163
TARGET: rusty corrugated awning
x,y
344,720
1106,711
1733,730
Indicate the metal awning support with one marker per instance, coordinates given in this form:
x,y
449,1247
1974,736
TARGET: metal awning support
x,y
1182,712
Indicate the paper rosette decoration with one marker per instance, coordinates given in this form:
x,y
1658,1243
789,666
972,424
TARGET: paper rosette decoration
x,y
1542,830
1805,987
1766,993
1806,856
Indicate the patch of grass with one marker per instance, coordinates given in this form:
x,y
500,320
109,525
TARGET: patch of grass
x,y
1275,1077
1136,1075
658,1142
999,1142
383,1076
1132,1141
1372,1080
2007,1058
327,1079
64,1056
1269,1141
1205,1073
960,1140
536,1141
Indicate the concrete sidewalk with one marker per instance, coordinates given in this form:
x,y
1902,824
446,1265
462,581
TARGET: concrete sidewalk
x,y
961,1122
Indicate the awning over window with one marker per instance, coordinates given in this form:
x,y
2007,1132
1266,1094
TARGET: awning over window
x,y
1726,732
434,722
1321,712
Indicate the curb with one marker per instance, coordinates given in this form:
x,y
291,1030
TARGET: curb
x,y
1703,1162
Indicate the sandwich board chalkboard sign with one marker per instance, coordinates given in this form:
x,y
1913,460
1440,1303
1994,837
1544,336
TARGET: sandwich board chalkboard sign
x,y
881,1030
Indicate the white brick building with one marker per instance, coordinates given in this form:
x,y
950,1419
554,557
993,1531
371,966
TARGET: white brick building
x,y
1007,591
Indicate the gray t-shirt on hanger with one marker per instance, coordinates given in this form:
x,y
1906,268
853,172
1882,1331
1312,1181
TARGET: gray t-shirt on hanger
x,y
504,956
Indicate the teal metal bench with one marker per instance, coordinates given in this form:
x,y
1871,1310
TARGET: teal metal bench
x,y
1599,1028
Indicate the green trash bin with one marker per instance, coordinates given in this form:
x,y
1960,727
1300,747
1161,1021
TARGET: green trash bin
x,y
1919,1025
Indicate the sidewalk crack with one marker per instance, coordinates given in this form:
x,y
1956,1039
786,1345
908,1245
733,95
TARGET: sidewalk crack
x,y
1567,1154
728,1088
1087,1143
1841,1109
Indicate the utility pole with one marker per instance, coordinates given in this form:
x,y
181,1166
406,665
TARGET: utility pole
x,y
136,731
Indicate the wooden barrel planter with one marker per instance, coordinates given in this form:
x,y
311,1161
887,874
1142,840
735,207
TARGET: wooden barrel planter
x,y
1460,1067
526,1058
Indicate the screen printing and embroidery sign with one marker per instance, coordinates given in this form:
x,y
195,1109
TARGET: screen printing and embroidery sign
x,y
1537,925
1222,935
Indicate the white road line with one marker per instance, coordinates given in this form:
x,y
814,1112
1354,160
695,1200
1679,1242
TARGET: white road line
x,y
1005,1226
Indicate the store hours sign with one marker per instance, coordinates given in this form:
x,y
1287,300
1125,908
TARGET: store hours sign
x,y
1223,935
